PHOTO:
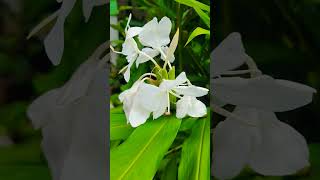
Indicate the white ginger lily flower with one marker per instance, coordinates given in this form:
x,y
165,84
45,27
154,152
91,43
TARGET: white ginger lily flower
x,y
77,112
259,140
189,105
54,41
156,99
135,112
157,35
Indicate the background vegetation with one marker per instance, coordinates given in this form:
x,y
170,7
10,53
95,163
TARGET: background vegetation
x,y
26,73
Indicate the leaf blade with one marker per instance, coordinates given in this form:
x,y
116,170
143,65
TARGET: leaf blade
x,y
146,145
195,157
197,32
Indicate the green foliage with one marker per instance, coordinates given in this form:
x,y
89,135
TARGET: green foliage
x,y
197,32
140,155
195,157
119,128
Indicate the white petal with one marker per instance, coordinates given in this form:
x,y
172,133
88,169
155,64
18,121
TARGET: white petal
x,y
147,35
231,149
156,34
133,31
163,104
262,92
197,108
142,58
194,91
164,31
169,84
182,108
229,55
165,50
127,73
54,42
129,47
148,96
138,115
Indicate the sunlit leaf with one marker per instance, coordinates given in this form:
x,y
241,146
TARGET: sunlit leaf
x,y
119,128
141,154
195,157
197,32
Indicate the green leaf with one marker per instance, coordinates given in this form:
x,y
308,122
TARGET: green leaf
x,y
187,123
198,7
119,128
170,171
205,17
141,154
195,157
197,32
193,3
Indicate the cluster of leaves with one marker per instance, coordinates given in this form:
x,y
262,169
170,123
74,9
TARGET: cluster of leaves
x,y
165,148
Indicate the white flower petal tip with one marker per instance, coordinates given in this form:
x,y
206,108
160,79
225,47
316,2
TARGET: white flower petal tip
x,y
54,43
156,35
190,106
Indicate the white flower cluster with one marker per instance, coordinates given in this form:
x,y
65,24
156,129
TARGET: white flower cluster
x,y
252,135
155,97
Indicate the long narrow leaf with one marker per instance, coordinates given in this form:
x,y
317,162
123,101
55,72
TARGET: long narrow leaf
x,y
140,155
194,3
197,32
119,128
195,157
204,17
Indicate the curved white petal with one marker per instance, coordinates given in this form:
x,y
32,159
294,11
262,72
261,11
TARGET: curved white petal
x,y
192,90
229,55
164,30
156,34
133,31
231,149
142,58
165,50
281,149
182,108
262,92
169,84
148,96
146,36
127,73
197,108
162,105
138,115
129,47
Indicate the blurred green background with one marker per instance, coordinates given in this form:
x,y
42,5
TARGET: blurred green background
x,y
283,37
26,73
